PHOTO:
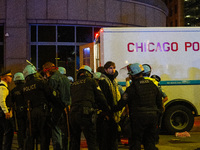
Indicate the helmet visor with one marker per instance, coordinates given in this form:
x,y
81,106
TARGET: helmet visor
x,y
125,71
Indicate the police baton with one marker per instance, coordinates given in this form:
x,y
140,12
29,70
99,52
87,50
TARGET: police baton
x,y
29,117
68,127
15,117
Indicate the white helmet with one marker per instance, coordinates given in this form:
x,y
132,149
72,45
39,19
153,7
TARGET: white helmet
x,y
62,70
28,70
18,77
70,79
86,69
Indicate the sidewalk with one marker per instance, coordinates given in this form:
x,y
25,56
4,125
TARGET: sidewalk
x,y
83,145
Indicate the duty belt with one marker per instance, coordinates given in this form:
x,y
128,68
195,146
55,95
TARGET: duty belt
x,y
42,105
88,110
83,109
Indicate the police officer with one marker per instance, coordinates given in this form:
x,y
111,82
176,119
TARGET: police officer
x,y
145,103
86,97
155,79
60,83
37,93
6,128
20,107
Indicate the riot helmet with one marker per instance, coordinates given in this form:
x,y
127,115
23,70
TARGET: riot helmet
x,y
18,77
86,70
71,79
147,70
62,70
135,69
28,70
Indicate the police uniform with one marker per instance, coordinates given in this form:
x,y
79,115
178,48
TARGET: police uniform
x,y
37,92
145,103
21,112
86,96
6,127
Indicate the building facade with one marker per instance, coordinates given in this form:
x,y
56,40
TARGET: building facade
x,y
192,13
183,13
53,30
176,13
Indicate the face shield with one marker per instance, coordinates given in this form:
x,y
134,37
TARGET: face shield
x,y
125,71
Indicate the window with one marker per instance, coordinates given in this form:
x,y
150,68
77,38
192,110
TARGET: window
x,y
175,9
59,44
66,59
46,33
47,53
84,34
33,33
66,34
33,55
170,12
86,56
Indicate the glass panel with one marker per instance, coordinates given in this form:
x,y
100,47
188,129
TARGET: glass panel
x,y
84,34
77,58
45,54
33,33
66,59
1,58
1,34
47,33
86,52
86,56
86,61
33,55
65,34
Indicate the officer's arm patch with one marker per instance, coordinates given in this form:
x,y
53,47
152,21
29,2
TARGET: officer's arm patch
x,y
54,93
98,88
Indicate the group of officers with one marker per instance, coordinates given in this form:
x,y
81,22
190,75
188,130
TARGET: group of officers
x,y
48,107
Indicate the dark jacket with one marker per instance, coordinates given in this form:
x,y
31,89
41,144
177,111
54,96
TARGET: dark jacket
x,y
60,83
85,92
109,88
142,96
37,91
17,95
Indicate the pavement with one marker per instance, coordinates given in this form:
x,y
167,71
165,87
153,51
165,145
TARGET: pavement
x,y
167,142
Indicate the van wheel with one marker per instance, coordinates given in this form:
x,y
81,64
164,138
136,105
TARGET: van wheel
x,y
178,119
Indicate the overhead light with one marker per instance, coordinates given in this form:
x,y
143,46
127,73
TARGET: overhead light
x,y
7,35
188,16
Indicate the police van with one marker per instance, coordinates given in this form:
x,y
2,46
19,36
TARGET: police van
x,y
172,52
